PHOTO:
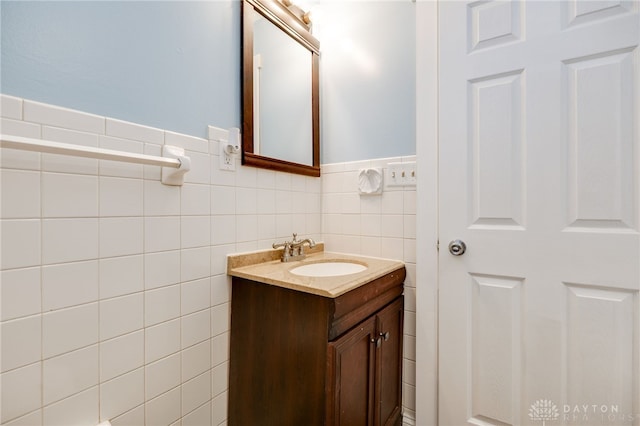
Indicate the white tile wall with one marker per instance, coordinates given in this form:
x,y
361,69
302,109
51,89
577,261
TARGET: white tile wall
x,y
132,417
219,408
67,195
195,199
33,418
69,284
195,295
162,375
161,305
121,315
161,233
121,236
79,409
120,197
162,340
121,281
68,374
68,329
121,354
21,343
20,194
198,417
161,269
21,391
219,378
196,360
121,394
196,392
20,293
11,107
20,243
121,275
196,328
195,262
134,132
163,409
220,349
40,113
68,240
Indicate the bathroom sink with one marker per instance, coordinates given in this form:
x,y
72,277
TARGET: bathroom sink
x,y
328,269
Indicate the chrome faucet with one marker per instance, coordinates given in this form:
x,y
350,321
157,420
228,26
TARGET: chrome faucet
x,y
294,249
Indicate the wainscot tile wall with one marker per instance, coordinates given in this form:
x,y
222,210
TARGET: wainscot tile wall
x,y
114,297
115,301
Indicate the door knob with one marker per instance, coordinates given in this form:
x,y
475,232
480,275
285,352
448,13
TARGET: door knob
x,y
457,247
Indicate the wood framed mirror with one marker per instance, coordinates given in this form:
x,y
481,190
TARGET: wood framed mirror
x,y
280,90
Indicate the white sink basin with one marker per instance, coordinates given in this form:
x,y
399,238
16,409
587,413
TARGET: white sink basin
x,y
328,269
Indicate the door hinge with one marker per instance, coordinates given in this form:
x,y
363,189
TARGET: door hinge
x,y
438,245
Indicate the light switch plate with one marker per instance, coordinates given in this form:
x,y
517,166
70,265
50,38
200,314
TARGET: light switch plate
x,y
401,174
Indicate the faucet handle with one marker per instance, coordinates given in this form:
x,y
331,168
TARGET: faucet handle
x,y
284,245
293,250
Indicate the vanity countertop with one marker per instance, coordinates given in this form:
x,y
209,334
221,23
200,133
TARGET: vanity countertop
x,y
262,267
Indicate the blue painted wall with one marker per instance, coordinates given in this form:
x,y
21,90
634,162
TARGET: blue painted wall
x,y
176,66
368,78
172,65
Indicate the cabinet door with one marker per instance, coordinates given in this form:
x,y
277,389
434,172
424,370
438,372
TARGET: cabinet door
x,y
350,382
389,364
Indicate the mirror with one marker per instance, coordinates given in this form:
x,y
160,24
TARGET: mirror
x,y
280,90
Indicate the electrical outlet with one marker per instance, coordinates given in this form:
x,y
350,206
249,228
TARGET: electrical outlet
x,y
227,161
401,174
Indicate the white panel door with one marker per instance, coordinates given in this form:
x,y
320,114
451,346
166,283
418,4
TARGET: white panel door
x,y
539,111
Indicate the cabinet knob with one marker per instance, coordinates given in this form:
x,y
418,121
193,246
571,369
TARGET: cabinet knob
x,y
377,341
385,336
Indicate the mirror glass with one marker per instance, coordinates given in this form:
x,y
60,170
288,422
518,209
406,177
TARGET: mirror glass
x,y
281,95
280,90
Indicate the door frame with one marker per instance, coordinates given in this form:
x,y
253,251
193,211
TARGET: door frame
x,y
427,214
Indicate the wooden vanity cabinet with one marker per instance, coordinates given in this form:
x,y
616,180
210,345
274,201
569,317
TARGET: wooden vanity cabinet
x,y
303,359
365,371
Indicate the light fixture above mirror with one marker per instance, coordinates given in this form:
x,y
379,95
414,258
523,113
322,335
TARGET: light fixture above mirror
x,y
281,113
299,12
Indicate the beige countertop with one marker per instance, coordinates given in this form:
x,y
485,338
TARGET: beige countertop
x,y
261,267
